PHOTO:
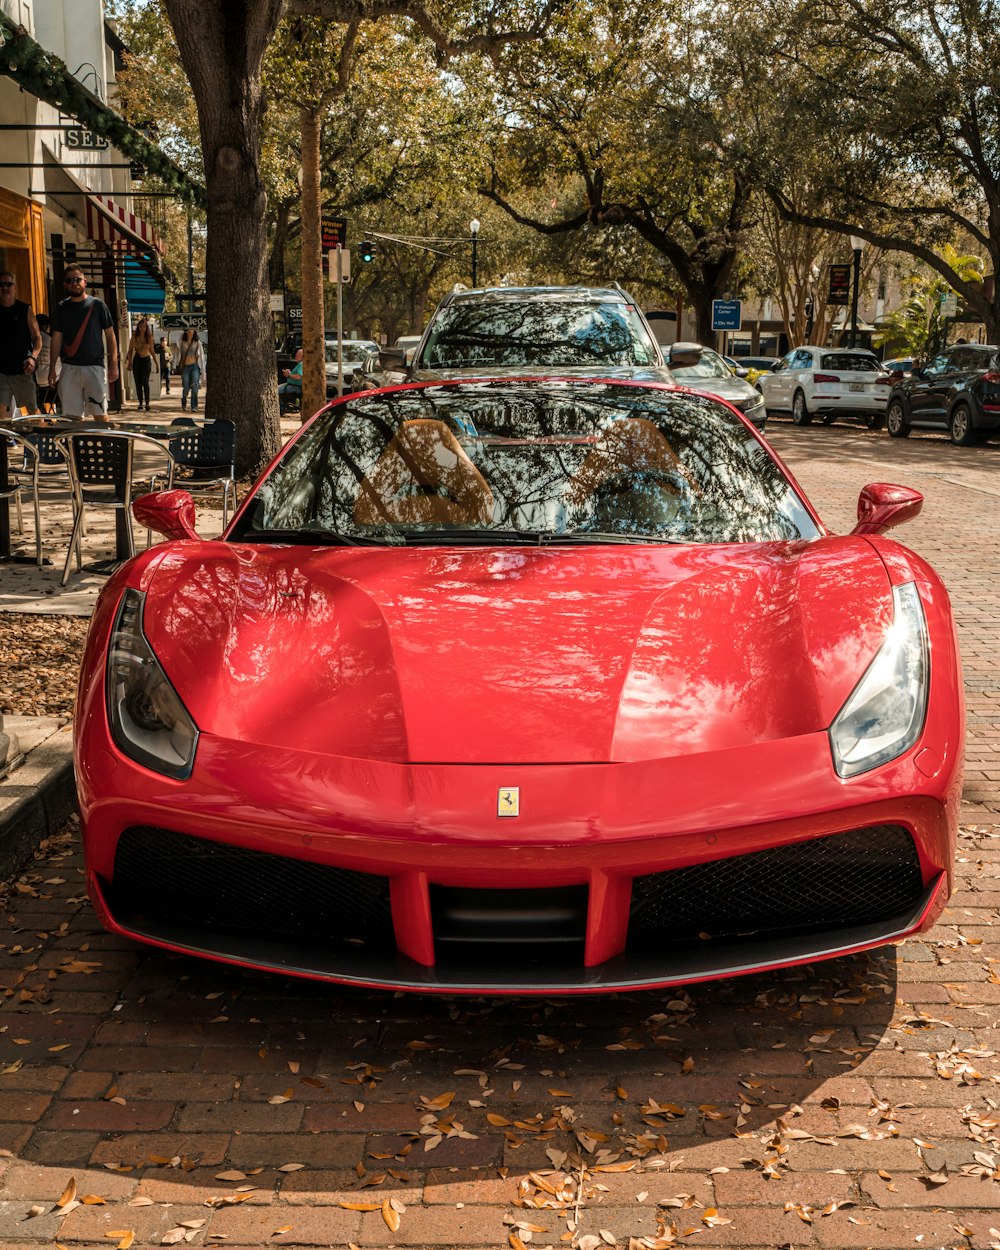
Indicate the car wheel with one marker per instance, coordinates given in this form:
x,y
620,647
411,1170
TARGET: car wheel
x,y
800,413
895,420
960,427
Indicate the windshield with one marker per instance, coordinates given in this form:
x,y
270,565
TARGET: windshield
x,y
850,362
496,462
355,352
711,365
543,333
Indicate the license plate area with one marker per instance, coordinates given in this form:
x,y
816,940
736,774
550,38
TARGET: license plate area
x,y
857,386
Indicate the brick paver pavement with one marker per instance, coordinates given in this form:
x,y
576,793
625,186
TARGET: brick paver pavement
x,y
150,1100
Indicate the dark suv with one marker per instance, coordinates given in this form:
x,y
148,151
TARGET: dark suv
x,y
959,391
538,330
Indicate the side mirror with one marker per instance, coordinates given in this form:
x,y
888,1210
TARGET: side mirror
x,y
741,371
684,354
776,366
392,358
166,512
882,505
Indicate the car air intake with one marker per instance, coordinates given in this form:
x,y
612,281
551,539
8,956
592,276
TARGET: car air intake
x,y
825,883
199,885
545,922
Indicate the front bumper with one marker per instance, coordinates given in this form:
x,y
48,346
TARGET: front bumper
x,y
429,834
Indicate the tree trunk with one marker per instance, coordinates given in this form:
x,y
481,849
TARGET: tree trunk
x,y
313,333
222,47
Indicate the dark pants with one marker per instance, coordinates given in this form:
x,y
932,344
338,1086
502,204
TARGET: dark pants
x,y
141,368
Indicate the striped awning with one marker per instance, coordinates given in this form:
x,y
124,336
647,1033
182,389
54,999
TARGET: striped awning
x,y
121,231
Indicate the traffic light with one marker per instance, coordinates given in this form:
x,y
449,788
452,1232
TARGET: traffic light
x,y
367,251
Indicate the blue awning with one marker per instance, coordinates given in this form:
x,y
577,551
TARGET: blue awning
x,y
145,291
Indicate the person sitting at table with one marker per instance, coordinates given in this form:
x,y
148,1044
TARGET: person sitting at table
x,y
290,391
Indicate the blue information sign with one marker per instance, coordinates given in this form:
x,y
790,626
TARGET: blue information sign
x,y
726,314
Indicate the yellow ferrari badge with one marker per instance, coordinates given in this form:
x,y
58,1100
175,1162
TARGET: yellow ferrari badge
x,y
508,801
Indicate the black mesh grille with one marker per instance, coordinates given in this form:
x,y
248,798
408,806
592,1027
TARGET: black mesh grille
x,y
849,878
193,883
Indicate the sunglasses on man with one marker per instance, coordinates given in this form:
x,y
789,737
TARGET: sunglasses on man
x,y
6,283
73,281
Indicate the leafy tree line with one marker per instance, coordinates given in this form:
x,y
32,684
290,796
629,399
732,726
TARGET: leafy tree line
x,y
687,156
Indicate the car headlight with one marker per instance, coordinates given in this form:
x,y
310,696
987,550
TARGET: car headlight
x,y
756,400
885,713
148,720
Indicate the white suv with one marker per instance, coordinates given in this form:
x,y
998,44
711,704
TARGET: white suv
x,y
827,382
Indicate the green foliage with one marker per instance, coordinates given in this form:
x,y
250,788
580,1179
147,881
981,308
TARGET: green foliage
x,y
918,327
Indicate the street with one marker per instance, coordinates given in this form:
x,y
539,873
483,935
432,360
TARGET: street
x,y
147,1099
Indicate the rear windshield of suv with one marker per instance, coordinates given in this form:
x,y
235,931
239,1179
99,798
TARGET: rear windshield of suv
x,y
850,362
546,333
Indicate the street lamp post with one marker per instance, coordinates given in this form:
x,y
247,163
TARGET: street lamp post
x,y
474,234
858,246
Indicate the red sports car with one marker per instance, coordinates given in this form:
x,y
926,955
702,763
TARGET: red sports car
x,y
522,687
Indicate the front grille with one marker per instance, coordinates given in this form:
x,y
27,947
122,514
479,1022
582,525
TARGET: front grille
x,y
197,885
846,879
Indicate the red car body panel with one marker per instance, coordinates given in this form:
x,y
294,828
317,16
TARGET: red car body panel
x,y
657,707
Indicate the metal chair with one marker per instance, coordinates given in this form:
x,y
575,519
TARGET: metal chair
x,y
101,467
205,459
28,467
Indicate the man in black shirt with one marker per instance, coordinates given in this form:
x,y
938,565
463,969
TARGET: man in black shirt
x,y
20,343
82,331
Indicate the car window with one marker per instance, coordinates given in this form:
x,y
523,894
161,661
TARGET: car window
x,y
546,333
710,365
355,351
939,364
532,463
802,359
850,362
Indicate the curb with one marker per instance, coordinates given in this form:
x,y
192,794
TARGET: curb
x,y
36,799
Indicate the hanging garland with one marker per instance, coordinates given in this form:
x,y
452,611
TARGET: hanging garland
x,y
47,77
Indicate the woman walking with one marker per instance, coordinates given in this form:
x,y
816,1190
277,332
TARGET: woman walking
x,y
142,360
192,363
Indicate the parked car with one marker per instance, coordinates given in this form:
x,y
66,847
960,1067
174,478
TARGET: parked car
x,y
763,364
959,391
354,353
516,686
828,383
538,330
374,374
899,364
710,373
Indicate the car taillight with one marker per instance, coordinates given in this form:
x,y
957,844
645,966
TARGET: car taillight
x,y
884,379
992,376
825,377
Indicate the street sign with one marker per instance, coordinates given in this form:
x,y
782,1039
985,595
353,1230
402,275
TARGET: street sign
x,y
184,321
277,301
840,284
949,304
85,140
334,230
727,314
345,264
294,313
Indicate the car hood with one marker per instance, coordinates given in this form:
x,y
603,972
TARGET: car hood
x,y
633,373
734,391
516,654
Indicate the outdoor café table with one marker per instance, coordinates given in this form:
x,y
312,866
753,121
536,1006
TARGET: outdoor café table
x,y
63,426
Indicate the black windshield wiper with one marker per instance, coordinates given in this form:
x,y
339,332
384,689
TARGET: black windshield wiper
x,y
583,537
322,538
480,537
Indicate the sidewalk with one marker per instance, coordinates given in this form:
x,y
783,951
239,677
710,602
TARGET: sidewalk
x,y
36,778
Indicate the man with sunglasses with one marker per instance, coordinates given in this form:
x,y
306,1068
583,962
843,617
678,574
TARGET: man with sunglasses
x,y
20,343
82,332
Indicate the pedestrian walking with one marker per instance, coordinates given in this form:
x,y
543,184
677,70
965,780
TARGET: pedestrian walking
x,y
82,332
142,360
166,360
20,343
191,356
